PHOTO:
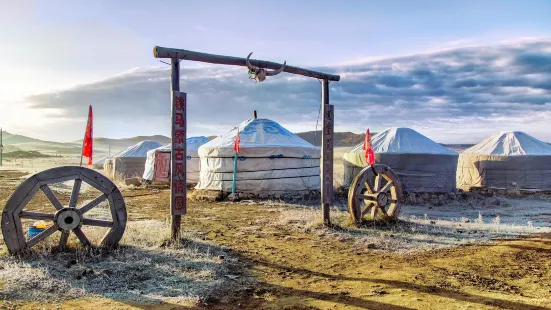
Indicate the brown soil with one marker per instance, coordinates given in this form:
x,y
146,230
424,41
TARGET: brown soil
x,y
297,270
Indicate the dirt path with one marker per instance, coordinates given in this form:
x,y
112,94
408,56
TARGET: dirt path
x,y
300,271
297,270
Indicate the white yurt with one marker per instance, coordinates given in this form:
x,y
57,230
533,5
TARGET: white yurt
x,y
506,160
271,160
130,162
157,164
421,164
99,164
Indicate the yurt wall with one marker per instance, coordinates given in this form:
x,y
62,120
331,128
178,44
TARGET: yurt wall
x,y
271,160
130,162
506,160
128,167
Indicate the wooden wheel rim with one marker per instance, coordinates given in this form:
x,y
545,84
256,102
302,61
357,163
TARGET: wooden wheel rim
x,y
380,196
12,229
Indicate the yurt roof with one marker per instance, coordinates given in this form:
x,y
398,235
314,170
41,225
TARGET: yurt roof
x,y
260,134
101,161
511,143
139,149
402,140
192,144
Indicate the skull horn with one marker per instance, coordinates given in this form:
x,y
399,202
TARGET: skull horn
x,y
251,67
268,73
278,71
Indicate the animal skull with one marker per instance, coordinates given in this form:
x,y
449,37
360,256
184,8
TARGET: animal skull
x,y
260,74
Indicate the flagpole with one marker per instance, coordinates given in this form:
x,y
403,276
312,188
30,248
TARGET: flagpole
x,y
233,186
368,146
84,139
234,172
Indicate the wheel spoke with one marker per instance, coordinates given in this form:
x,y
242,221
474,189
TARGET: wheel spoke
x,y
374,212
94,222
369,189
393,209
387,187
51,196
367,209
41,236
74,193
36,215
93,203
393,201
377,183
383,211
80,235
367,197
63,240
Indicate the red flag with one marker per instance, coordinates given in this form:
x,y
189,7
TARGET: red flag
x,y
368,148
87,147
237,141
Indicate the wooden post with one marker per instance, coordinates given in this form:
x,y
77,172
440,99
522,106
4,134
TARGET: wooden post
x,y
178,189
254,114
326,153
163,52
328,117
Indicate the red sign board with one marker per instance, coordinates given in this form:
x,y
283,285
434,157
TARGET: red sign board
x,y
161,167
178,198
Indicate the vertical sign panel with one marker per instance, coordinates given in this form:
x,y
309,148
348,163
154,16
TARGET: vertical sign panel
x,y
161,167
178,199
327,155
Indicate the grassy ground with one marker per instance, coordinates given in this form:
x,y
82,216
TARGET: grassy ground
x,y
296,263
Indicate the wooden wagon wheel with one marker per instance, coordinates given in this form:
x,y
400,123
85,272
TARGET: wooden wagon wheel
x,y
65,218
376,190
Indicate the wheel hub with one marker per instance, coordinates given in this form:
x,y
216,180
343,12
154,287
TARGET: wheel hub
x,y
382,199
68,218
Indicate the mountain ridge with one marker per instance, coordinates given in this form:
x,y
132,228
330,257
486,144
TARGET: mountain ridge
x,y
105,146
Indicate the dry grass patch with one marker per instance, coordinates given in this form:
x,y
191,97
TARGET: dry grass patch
x,y
407,234
141,270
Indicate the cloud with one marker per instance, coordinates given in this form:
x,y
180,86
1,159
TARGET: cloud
x,y
453,90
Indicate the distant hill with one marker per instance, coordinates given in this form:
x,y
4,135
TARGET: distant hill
x,y
24,154
15,142
8,138
341,138
113,146
49,147
457,147
10,148
102,146
130,141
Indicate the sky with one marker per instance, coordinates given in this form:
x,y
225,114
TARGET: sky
x,y
456,71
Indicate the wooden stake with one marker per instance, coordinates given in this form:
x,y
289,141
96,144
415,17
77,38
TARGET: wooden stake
x,y
326,153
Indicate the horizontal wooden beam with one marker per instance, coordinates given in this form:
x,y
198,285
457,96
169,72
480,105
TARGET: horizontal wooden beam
x,y
164,52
